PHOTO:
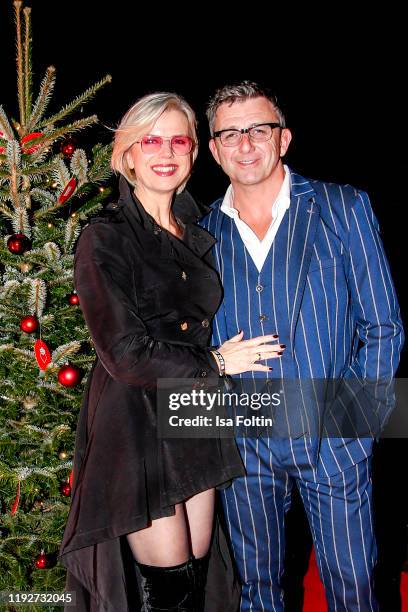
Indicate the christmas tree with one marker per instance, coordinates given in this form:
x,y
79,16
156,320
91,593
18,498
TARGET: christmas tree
x,y
48,188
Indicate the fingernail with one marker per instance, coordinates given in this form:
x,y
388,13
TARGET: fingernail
x,y
280,353
270,369
275,336
282,345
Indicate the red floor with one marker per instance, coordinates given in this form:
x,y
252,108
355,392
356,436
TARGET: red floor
x,y
314,594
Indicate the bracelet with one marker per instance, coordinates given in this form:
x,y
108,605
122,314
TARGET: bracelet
x,y
221,361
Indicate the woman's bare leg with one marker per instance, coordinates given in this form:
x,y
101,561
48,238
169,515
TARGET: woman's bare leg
x,y
166,542
200,515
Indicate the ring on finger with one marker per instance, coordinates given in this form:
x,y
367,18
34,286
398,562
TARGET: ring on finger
x,y
259,356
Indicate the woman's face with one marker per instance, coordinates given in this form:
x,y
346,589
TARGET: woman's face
x,y
162,171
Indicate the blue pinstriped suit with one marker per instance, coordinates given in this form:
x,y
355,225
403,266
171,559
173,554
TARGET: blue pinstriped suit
x,y
326,289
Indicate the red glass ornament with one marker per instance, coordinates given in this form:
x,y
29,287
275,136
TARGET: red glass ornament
x,y
42,354
28,138
41,561
18,244
29,324
68,191
73,299
65,489
69,375
68,147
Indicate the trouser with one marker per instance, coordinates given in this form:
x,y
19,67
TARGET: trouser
x,y
339,511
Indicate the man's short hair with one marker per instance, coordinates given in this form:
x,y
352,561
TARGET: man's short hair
x,y
240,92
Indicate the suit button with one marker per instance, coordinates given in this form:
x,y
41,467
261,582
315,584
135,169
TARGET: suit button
x,y
184,325
263,317
184,276
203,373
205,323
259,288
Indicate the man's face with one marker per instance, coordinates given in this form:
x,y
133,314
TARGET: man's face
x,y
249,163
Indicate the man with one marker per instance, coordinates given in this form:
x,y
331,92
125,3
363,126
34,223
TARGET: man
x,y
302,259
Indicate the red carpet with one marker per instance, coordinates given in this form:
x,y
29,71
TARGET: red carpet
x,y
314,595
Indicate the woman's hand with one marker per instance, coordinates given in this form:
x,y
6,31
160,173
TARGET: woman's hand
x,y
244,355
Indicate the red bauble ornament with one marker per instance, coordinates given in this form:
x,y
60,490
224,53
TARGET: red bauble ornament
x,y
68,147
69,375
65,489
68,191
42,354
18,244
29,138
29,324
73,298
41,561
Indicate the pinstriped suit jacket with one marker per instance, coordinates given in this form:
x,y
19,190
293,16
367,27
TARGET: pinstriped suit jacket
x,y
342,310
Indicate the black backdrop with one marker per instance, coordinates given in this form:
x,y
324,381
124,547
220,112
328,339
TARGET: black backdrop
x,y
338,74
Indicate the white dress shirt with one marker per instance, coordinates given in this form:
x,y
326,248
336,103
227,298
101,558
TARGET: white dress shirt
x,y
259,249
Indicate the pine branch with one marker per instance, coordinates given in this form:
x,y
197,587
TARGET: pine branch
x,y
63,352
79,166
82,99
61,174
19,58
72,232
21,222
43,99
91,206
55,134
5,127
37,296
6,211
31,171
28,74
101,169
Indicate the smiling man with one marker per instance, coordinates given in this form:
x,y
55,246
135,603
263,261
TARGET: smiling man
x,y
301,259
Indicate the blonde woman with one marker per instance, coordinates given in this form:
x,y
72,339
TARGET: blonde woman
x,y
148,294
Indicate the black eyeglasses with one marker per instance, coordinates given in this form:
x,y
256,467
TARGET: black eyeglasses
x,y
256,133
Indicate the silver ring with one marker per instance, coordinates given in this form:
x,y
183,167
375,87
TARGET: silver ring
x,y
259,357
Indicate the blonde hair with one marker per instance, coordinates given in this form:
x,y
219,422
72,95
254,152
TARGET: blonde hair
x,y
140,119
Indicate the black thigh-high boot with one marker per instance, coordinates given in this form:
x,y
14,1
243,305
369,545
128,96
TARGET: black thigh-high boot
x,y
200,574
168,589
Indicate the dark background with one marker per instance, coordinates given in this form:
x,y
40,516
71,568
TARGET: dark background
x,y
338,74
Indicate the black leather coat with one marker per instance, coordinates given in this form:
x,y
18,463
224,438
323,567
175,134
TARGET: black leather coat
x,y
148,300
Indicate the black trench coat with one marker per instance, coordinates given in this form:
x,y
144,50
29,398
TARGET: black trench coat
x,y
148,300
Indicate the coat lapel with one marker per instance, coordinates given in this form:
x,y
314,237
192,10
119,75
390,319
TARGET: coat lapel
x,y
304,214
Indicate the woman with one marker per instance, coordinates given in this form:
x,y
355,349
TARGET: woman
x,y
148,294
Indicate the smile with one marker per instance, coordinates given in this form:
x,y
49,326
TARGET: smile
x,y
164,170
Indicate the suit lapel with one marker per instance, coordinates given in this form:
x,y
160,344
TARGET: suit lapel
x,y
303,221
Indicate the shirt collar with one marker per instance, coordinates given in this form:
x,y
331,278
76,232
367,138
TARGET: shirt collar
x,y
282,201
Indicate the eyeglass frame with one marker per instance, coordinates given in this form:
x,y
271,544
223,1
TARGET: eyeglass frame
x,y
247,130
163,140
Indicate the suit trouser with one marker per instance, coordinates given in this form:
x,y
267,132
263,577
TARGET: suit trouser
x,y
339,511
